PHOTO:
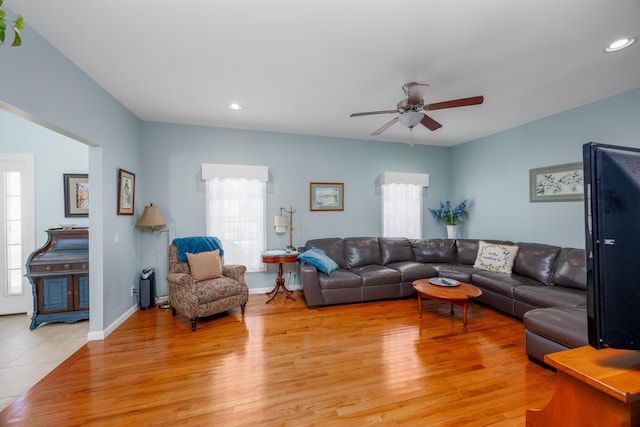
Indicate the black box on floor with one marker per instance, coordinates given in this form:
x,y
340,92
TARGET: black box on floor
x,y
147,289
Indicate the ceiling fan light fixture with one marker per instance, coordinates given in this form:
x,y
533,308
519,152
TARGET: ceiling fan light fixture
x,y
410,118
620,44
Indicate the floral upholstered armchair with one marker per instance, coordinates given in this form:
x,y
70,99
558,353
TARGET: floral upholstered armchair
x,y
200,284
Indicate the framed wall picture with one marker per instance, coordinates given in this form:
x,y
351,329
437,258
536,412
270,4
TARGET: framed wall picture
x,y
76,195
326,196
126,192
560,183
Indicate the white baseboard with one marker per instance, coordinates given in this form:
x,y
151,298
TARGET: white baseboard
x,y
100,335
295,287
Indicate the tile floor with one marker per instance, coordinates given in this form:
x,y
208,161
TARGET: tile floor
x,y
27,356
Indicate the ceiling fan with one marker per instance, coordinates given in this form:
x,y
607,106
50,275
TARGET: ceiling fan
x,y
410,108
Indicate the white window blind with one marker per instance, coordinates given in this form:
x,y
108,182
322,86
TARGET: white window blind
x,y
236,211
402,204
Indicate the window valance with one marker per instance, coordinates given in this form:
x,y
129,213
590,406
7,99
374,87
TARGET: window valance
x,y
421,179
216,170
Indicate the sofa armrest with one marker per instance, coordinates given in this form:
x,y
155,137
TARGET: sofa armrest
x,y
235,271
180,279
310,285
182,294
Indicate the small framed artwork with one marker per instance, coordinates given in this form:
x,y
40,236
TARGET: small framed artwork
x,y
561,183
126,192
326,196
76,195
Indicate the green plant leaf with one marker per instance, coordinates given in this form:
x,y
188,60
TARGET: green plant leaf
x,y
17,39
3,28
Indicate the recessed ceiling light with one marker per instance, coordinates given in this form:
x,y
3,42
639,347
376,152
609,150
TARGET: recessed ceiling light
x,y
620,44
235,106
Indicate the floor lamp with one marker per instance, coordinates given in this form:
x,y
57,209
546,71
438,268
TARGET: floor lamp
x,y
152,220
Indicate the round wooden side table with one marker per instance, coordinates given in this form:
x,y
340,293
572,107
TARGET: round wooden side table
x,y
279,257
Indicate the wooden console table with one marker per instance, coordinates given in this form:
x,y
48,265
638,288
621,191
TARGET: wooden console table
x,y
593,388
278,257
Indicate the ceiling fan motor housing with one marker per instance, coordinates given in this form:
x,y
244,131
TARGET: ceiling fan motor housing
x,y
404,106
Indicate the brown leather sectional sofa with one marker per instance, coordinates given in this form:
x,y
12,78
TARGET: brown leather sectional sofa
x,y
547,287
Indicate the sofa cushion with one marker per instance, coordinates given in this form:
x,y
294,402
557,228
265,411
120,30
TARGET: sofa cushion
x,y
319,260
536,260
205,265
501,283
377,275
495,257
395,249
434,250
550,296
571,269
339,279
411,270
362,251
333,247
459,272
466,251
567,326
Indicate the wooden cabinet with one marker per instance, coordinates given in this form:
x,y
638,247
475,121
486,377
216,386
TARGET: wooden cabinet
x,y
594,388
59,275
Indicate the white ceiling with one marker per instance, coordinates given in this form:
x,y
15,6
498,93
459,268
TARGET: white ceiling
x,y
302,66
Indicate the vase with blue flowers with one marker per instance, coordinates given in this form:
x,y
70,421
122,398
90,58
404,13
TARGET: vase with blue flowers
x,y
451,216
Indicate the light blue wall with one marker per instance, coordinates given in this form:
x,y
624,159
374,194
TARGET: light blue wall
x,y
172,180
18,135
494,171
40,83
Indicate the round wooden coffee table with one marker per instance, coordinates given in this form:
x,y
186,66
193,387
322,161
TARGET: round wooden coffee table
x,y
458,295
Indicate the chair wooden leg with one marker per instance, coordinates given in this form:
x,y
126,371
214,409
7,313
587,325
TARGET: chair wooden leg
x,y
193,324
242,307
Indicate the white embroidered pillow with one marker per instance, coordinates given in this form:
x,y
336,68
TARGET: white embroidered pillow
x,y
495,257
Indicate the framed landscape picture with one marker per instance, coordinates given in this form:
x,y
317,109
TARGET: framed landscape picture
x,y
76,195
126,192
561,183
326,196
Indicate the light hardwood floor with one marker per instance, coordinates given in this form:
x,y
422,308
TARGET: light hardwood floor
x,y
285,364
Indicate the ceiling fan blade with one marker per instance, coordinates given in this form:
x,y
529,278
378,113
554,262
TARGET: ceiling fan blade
x,y
385,126
462,102
368,113
416,93
430,123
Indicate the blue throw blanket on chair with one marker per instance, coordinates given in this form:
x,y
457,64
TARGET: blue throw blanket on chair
x,y
195,245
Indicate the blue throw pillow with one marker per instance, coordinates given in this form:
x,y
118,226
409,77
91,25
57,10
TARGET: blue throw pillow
x,y
319,260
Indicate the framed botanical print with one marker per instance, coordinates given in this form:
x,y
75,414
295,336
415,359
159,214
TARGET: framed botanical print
x,y
76,195
126,192
560,183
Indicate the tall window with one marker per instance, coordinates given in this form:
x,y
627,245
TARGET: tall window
x,y
236,212
402,204
13,232
17,222
402,211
